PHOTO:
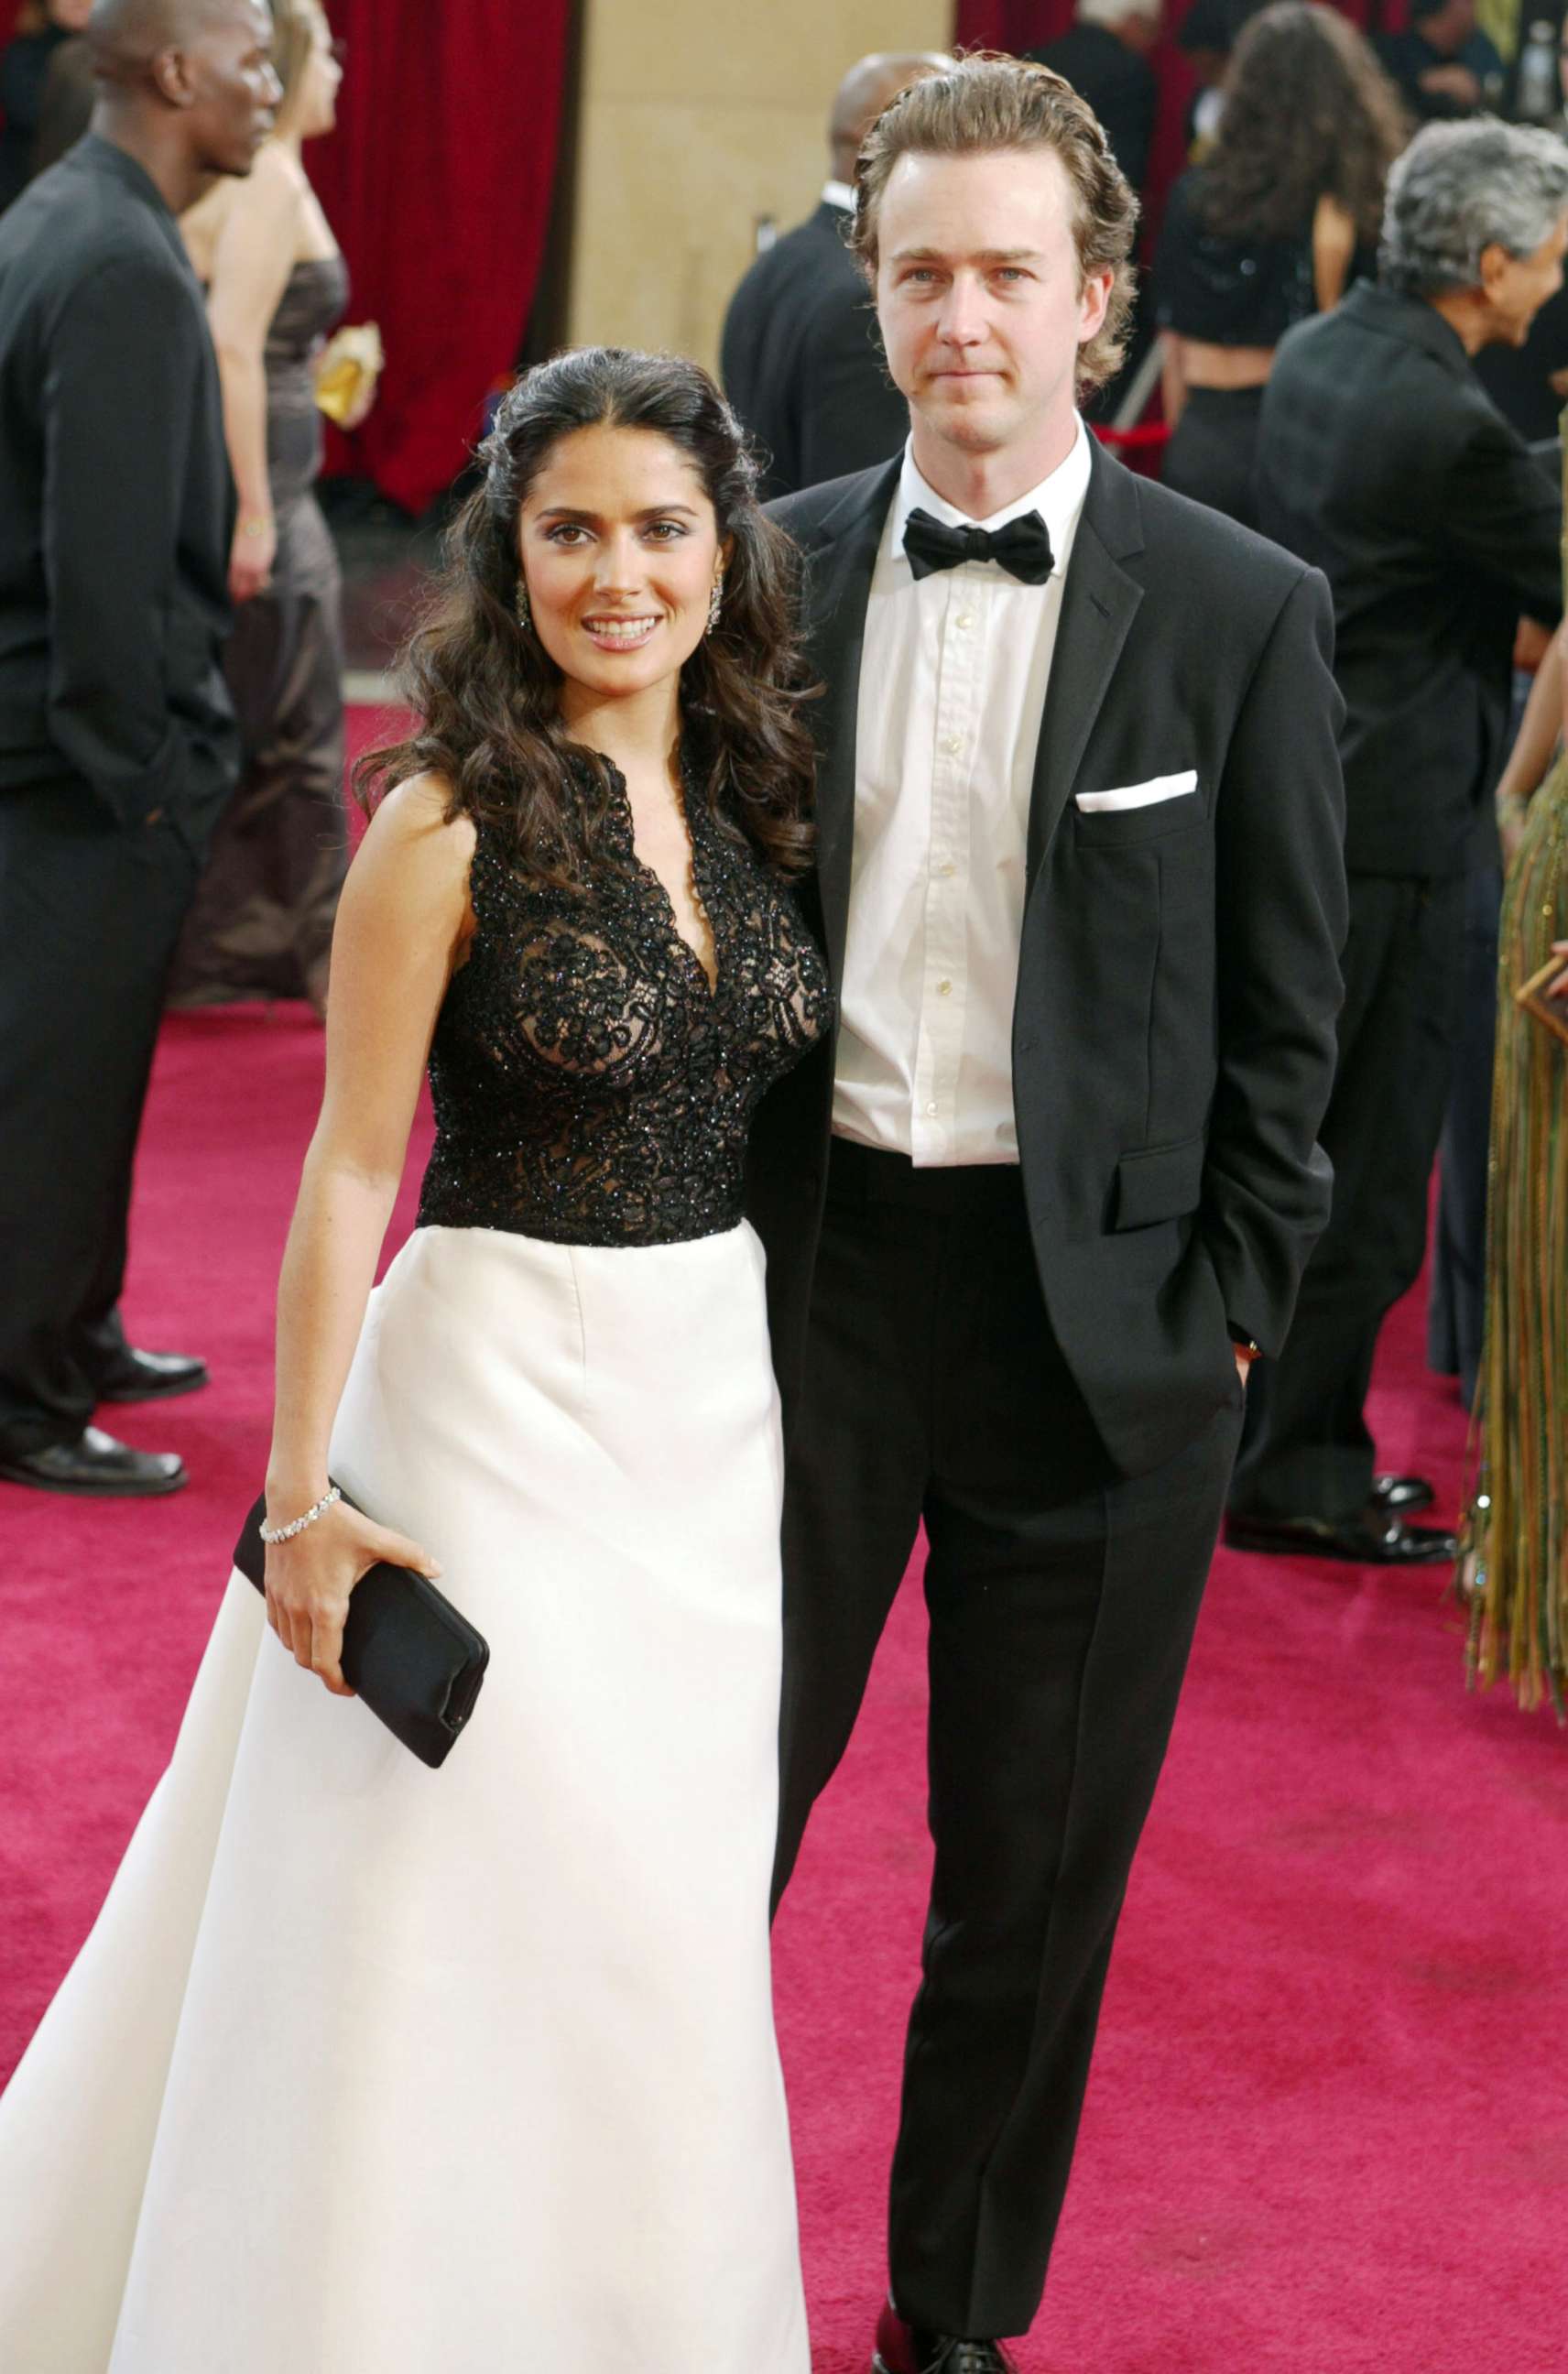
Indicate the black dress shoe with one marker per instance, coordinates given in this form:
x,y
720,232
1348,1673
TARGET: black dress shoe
x,y
907,2349
96,1464
150,1376
1372,1539
1404,1494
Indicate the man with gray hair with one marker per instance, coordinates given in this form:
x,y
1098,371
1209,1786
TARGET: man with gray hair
x,y
1383,463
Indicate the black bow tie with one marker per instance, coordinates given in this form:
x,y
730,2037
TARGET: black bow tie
x,y
1022,547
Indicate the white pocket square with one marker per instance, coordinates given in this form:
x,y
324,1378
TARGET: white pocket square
x,y
1140,795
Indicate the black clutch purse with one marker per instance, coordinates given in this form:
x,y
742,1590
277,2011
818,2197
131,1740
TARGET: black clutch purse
x,y
413,1659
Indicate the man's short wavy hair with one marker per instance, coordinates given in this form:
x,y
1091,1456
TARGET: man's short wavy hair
x,y
1461,188
983,103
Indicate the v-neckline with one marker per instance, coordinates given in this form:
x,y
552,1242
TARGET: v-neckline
x,y
651,874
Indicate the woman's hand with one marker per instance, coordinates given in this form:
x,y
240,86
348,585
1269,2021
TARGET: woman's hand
x,y
1559,988
360,411
311,1579
253,552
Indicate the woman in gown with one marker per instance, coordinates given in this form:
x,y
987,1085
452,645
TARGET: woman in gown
x,y
1268,230
1513,1567
260,922
367,2069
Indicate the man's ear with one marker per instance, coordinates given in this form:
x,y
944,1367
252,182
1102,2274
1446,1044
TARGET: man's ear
x,y
1495,260
170,77
1095,299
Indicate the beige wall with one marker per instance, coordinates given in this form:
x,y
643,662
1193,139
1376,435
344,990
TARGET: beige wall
x,y
698,116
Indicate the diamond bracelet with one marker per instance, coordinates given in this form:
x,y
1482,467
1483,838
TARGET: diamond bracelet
x,y
271,1533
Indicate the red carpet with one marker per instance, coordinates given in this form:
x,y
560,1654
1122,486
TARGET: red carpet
x,y
1328,2126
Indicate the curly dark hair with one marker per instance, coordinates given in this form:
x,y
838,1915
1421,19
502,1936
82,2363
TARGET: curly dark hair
x,y
484,691
1309,114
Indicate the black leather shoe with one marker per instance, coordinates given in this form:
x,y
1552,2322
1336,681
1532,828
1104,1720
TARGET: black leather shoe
x,y
1402,1494
151,1377
96,1464
1372,1539
906,2349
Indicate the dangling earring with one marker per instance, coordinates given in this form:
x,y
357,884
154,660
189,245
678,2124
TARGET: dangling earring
x,y
716,604
524,615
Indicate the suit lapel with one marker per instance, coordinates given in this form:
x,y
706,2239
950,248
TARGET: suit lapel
x,y
1098,603
841,558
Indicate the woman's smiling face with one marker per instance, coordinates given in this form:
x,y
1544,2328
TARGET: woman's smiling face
x,y
619,549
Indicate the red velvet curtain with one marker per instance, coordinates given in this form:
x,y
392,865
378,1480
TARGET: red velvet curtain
x,y
1015,25
437,182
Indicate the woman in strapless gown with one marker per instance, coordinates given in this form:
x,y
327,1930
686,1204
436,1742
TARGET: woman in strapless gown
x,y
370,2069
1513,1561
260,922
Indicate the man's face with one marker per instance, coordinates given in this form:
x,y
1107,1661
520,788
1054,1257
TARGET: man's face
x,y
979,297
234,92
1517,286
1450,28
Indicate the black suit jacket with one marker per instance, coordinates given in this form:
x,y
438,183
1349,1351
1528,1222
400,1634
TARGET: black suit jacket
x,y
116,504
802,361
1122,88
1382,462
1173,1033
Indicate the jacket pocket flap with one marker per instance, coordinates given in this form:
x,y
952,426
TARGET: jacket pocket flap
x,y
1160,1184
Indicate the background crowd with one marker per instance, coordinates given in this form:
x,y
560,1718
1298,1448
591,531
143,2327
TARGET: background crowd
x,y
1335,365
1349,337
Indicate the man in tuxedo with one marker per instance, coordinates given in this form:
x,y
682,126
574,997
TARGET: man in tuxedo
x,y
1382,461
1104,56
1046,1195
117,743
799,356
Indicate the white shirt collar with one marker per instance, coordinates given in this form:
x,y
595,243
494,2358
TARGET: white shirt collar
x,y
840,195
1058,499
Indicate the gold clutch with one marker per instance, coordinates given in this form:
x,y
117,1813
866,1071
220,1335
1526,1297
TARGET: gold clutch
x,y
1532,995
346,372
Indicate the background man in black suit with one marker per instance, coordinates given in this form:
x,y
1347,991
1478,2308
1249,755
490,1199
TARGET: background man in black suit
x,y
117,745
1104,56
1382,462
800,358
1444,65
1033,1213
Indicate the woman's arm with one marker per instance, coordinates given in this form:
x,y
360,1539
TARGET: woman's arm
x,y
1333,247
255,253
1540,731
1172,377
401,928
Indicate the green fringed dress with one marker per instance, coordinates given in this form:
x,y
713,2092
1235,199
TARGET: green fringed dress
x,y
1517,1530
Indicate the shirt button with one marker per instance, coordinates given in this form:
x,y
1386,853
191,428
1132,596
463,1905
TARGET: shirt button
x,y
953,744
931,1110
944,989
965,619
947,867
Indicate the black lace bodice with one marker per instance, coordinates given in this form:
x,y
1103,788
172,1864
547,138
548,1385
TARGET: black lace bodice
x,y
589,1086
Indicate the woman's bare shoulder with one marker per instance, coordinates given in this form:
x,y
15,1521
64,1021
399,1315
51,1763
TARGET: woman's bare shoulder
x,y
416,819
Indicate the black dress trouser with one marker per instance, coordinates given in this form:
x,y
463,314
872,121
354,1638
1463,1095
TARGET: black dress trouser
x,y
1062,1600
1307,1450
90,913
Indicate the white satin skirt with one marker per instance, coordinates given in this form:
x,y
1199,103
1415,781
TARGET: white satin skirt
x,y
367,2069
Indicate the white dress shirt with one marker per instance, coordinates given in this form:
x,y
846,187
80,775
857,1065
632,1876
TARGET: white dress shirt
x,y
952,686
840,195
